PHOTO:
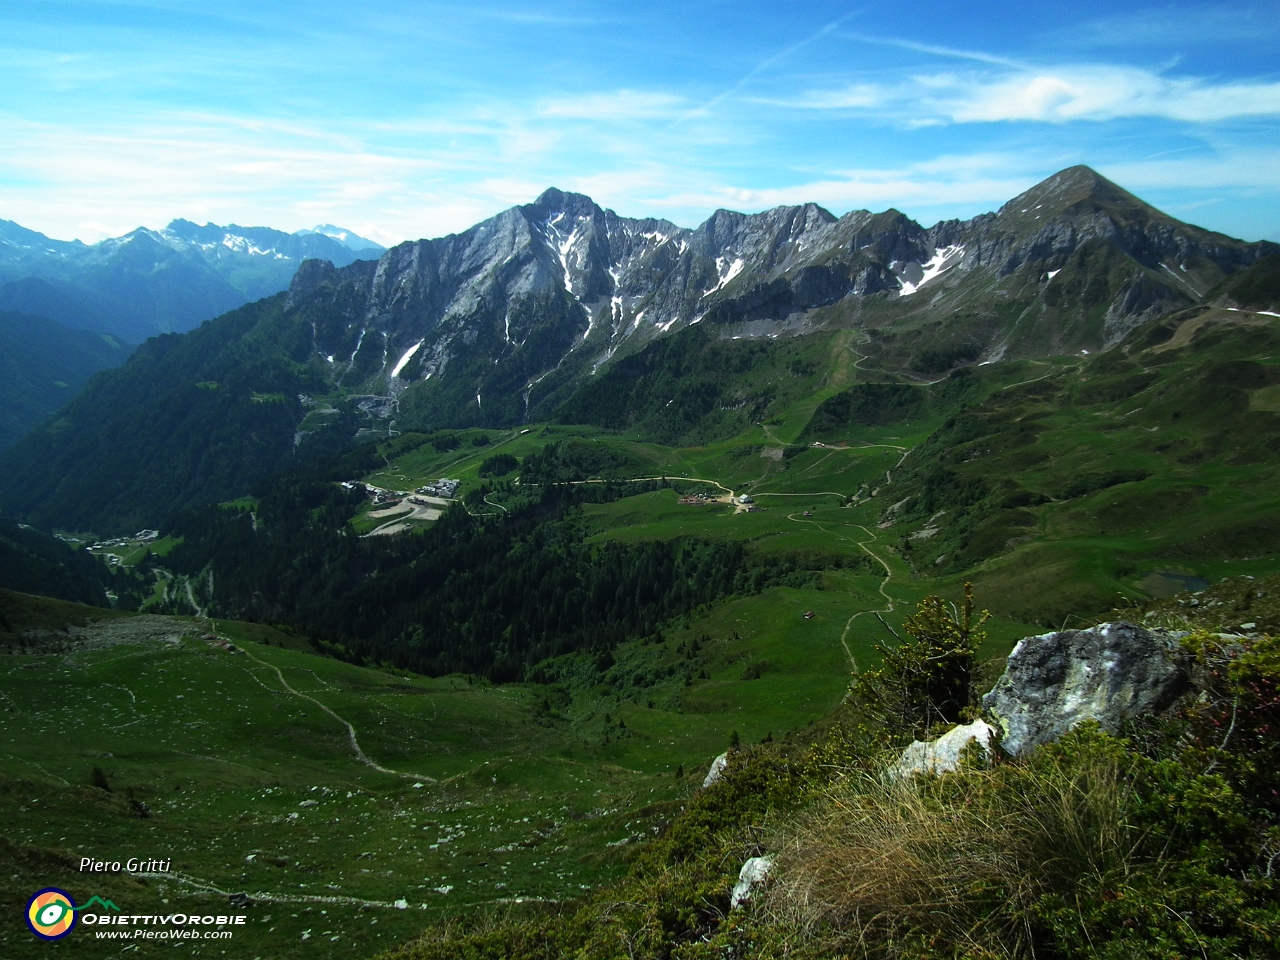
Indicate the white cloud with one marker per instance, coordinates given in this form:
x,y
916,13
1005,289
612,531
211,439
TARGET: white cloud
x,y
978,181
1179,25
933,49
1100,93
72,181
1057,95
860,96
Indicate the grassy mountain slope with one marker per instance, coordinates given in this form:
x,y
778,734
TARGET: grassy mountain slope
x,y
1257,287
189,419
42,299
1057,486
997,472
1152,845
696,386
1129,472
43,364
535,791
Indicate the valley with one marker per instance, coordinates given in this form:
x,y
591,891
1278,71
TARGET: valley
x,y
445,634
473,794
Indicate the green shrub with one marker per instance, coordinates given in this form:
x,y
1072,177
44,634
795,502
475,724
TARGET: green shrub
x,y
928,678
960,862
1160,845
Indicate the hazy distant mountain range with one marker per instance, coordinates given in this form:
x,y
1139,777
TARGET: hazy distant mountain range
x,y
159,281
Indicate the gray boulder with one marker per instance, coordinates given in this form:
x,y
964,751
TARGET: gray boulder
x,y
1109,673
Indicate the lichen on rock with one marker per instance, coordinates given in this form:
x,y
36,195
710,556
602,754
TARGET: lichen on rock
x,y
1109,673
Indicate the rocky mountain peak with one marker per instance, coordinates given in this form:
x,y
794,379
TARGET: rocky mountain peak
x,y
553,202
562,286
1072,192
183,228
19,236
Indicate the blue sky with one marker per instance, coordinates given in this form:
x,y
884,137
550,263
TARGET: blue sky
x,y
408,119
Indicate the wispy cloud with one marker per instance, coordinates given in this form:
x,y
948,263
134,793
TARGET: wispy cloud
x,y
854,96
613,106
771,61
1178,25
1098,93
933,49
1061,95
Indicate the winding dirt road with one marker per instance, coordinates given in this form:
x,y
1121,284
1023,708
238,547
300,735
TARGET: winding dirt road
x,y
890,603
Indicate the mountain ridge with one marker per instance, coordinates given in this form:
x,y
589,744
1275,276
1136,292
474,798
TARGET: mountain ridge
x,y
628,281
43,365
510,320
148,281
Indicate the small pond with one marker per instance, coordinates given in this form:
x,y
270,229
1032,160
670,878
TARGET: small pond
x,y
1163,585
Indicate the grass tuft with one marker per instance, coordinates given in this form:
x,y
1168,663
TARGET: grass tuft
x,y
960,862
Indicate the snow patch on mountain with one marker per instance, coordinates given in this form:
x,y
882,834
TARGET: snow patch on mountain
x,y
914,275
734,269
405,358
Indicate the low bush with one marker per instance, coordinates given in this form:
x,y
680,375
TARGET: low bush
x,y
956,865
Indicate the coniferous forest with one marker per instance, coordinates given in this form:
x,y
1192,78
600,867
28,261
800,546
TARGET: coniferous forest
x,y
491,595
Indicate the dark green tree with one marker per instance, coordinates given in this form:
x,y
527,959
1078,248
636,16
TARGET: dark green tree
x,y
928,678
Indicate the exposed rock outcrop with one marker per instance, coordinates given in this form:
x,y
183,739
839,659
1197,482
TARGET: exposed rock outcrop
x,y
1110,673
943,755
561,283
717,769
754,872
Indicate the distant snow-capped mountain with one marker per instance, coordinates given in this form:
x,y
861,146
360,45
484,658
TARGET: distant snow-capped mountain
x,y
345,237
159,281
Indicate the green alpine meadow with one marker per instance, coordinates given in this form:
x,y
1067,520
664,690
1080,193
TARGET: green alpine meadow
x,y
792,586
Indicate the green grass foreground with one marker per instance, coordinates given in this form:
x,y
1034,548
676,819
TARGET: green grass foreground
x,y
229,763
1158,843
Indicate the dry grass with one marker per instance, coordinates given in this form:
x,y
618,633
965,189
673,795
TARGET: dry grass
x,y
950,866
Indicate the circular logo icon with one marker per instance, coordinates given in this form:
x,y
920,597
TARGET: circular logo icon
x,y
51,914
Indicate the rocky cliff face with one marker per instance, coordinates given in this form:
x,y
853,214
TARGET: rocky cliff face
x,y
545,293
